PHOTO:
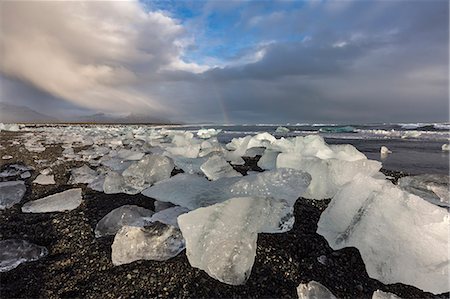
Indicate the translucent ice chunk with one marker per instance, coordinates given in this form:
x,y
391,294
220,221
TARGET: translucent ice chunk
x,y
328,175
192,191
314,290
431,187
150,169
217,167
384,295
282,130
11,193
63,201
43,179
401,237
157,242
82,175
221,239
207,133
268,160
14,252
129,215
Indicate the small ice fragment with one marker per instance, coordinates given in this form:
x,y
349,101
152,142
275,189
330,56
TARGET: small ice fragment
x,y
322,259
217,167
14,252
46,171
43,179
384,150
11,193
82,175
384,295
130,215
25,175
281,129
115,183
7,157
207,133
158,242
150,169
59,202
314,290
445,147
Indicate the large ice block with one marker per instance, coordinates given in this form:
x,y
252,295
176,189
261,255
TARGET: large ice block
x,y
401,237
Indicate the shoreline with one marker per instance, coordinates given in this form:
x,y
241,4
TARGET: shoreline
x,y
79,265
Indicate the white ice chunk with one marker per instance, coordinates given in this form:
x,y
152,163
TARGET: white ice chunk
x,y
129,215
14,252
314,290
401,237
11,193
327,175
63,201
192,191
217,167
207,133
221,239
7,157
445,147
25,175
281,129
169,215
268,160
384,295
157,242
151,169
384,150
431,187
43,179
115,183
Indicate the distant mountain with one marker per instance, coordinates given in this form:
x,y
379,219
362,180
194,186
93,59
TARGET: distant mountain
x,y
132,118
20,114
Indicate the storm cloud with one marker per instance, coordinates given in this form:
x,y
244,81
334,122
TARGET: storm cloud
x,y
320,61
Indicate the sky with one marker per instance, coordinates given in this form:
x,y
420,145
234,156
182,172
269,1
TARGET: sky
x,y
229,61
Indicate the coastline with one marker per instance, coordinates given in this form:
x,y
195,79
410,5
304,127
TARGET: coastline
x,y
79,265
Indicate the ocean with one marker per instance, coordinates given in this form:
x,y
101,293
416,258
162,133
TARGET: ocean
x,y
416,147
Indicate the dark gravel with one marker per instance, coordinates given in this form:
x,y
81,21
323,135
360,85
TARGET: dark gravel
x,y
79,265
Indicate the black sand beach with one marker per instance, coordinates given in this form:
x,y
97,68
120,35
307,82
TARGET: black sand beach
x,y
79,265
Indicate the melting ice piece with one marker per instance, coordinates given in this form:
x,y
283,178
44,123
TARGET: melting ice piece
x,y
25,175
431,187
190,165
7,157
115,183
384,295
129,215
221,239
151,169
314,290
64,201
207,133
401,237
192,191
158,242
82,175
44,179
168,216
217,167
14,252
282,130
384,150
11,193
268,160
445,147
